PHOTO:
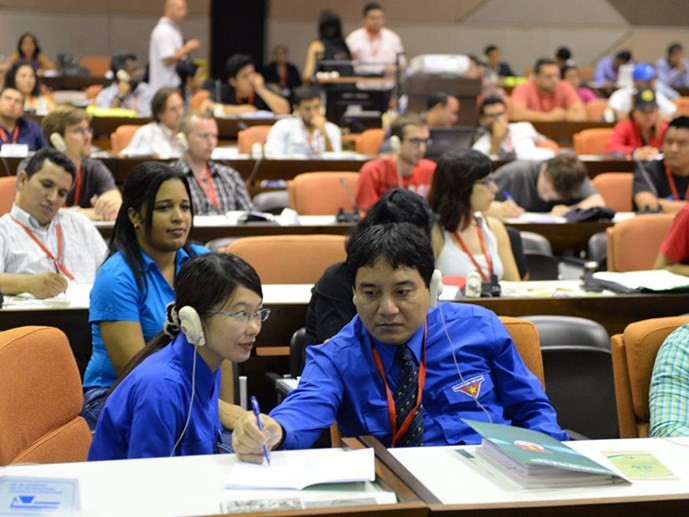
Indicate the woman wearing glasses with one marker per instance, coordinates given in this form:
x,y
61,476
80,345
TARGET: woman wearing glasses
x,y
165,402
462,189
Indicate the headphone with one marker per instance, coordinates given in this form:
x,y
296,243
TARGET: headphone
x,y
183,142
190,324
58,142
123,75
395,144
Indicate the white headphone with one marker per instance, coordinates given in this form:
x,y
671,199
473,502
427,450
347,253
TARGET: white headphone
x,y
190,324
436,287
183,142
395,144
58,141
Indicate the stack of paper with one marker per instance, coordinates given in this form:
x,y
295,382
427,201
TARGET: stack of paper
x,y
656,280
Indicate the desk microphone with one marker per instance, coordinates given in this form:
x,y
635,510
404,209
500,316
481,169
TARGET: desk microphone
x,y
647,179
218,91
342,215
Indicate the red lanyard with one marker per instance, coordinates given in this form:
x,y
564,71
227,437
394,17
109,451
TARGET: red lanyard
x,y
673,187
486,278
15,135
59,266
209,190
378,38
77,188
391,400
249,99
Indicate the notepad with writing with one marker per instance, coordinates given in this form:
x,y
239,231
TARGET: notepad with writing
x,y
535,460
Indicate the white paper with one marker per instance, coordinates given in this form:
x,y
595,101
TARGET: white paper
x,y
653,279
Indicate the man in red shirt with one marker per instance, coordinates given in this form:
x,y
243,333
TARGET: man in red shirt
x,y
405,168
546,97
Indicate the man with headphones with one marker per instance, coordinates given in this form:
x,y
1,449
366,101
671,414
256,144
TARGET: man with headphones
x,y
127,89
405,168
215,188
406,369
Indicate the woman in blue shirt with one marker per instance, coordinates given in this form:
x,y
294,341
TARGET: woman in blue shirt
x,y
166,400
148,247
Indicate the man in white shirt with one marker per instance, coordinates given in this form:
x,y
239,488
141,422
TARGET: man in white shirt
x,y
159,138
167,46
308,133
644,76
127,89
41,246
508,140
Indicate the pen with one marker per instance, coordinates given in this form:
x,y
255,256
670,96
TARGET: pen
x,y
257,412
508,196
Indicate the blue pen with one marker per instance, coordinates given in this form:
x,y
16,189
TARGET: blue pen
x,y
257,412
508,196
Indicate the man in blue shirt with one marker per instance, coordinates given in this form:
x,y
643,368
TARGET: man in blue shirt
x,y
467,365
15,129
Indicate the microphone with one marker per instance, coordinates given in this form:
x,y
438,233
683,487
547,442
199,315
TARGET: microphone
x,y
651,186
218,93
342,215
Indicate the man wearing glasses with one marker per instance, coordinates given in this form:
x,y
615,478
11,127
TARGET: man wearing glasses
x,y
505,139
405,168
215,189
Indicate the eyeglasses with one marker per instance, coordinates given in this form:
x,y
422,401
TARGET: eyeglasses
x,y
245,317
486,181
206,136
418,141
82,130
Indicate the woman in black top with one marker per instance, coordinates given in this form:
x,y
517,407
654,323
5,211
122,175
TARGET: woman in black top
x,y
330,45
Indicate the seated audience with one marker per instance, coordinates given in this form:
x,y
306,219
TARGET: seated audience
x,y
281,75
245,91
330,46
308,133
674,251
28,50
165,403
570,73
360,376
668,398
127,89
556,186
159,138
496,69
406,168
641,135
215,188
608,68
22,77
191,79
462,189
94,194
149,244
673,70
506,139
644,77
665,183
43,247
563,57
15,129
546,97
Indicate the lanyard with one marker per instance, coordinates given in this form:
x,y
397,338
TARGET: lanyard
x,y
59,266
209,189
396,435
375,42
673,187
77,188
313,141
249,99
484,277
15,135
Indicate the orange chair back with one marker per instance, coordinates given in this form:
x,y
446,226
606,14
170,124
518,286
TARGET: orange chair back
x,y
97,66
120,138
592,141
616,189
595,109
682,104
289,259
370,141
91,92
198,98
40,399
525,336
8,191
633,244
251,135
633,355
322,193
586,73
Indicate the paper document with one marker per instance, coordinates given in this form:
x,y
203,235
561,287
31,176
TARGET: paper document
x,y
652,280
535,217
639,465
299,469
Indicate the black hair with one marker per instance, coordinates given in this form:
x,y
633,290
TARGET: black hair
x,y
489,101
567,68
11,77
453,182
681,122
329,26
185,69
489,48
159,101
436,98
544,61
35,42
305,93
372,6
563,53
400,244
36,162
235,63
118,61
624,55
674,47
139,193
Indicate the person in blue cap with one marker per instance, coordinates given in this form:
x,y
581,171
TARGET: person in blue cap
x,y
644,76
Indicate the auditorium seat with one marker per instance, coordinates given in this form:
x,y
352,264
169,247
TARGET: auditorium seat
x,y
97,66
633,244
322,193
595,109
592,141
616,189
8,191
246,138
682,104
369,141
120,138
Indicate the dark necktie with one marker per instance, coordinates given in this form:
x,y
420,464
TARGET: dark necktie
x,y
405,399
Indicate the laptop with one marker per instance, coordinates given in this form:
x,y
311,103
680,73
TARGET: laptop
x,y
445,139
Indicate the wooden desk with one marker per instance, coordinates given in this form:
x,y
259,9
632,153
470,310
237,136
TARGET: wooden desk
x,y
562,131
73,82
565,236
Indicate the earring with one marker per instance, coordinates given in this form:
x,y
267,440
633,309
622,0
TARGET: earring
x,y
136,226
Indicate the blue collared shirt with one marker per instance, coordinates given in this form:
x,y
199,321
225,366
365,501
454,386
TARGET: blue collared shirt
x,y
29,133
145,415
341,382
116,297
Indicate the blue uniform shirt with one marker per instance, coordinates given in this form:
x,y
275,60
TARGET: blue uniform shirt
x,y
341,382
145,415
116,297
29,133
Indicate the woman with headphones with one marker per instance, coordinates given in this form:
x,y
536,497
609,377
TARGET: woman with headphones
x,y
461,190
165,402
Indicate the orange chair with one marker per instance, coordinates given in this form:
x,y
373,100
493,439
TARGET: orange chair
x,y
322,193
633,244
40,399
97,66
682,104
616,189
289,259
91,92
592,141
549,144
120,138
633,355
525,336
369,141
198,99
586,73
246,138
8,191
595,109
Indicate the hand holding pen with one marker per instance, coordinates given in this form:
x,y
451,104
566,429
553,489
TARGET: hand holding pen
x,y
257,412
